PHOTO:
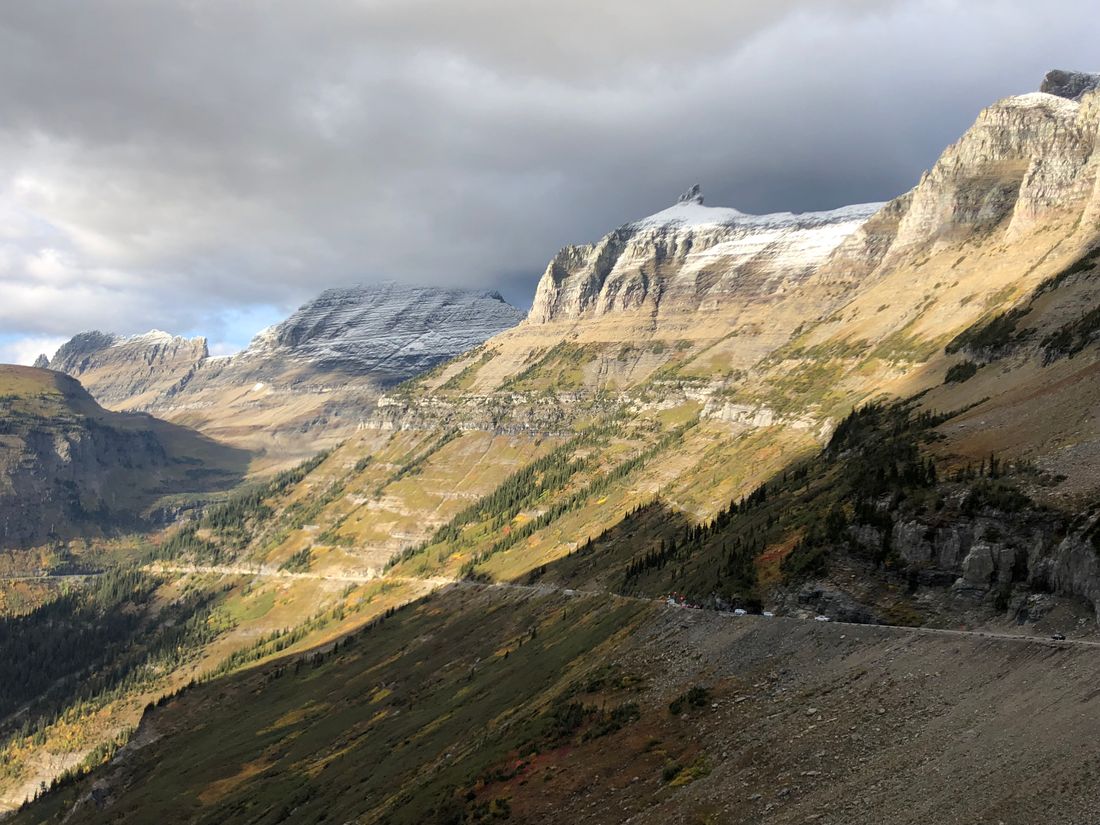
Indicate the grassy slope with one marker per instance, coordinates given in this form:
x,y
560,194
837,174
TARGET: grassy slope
x,y
393,701
487,706
1030,386
246,621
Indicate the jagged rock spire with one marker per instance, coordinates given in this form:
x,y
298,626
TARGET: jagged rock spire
x,y
42,362
693,195
1069,84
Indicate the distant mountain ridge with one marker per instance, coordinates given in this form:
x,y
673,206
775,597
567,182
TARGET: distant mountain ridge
x,y
391,332
311,376
129,372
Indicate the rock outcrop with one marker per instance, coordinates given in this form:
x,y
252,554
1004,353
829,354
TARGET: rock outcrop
x,y
130,372
1073,85
1026,159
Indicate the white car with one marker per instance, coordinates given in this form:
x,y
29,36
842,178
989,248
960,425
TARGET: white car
x,y
740,612
822,619
768,614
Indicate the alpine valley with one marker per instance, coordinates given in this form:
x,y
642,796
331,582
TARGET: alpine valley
x,y
774,518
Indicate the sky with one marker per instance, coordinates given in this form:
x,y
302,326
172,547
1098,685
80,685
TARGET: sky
x,y
205,166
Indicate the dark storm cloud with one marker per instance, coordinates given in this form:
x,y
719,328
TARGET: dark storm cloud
x,y
188,163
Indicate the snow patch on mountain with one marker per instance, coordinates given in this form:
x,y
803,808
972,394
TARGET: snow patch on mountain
x,y
150,338
1041,100
690,212
691,256
390,330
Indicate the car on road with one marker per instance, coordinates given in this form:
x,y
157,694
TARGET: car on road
x,y
1058,637
822,619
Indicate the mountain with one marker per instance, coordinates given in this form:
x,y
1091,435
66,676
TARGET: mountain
x,y
300,385
692,356
787,319
69,468
130,373
690,258
884,417
690,299
389,332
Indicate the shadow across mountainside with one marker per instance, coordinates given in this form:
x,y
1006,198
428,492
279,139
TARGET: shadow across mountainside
x,y
70,469
486,703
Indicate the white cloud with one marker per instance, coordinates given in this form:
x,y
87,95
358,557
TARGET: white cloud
x,y
221,348
26,350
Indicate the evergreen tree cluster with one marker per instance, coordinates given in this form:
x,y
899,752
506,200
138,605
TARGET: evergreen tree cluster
x,y
235,522
574,501
90,646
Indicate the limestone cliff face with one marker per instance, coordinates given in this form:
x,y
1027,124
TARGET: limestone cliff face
x,y
129,373
1026,159
1008,204
690,258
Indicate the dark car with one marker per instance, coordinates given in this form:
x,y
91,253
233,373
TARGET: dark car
x,y
1058,637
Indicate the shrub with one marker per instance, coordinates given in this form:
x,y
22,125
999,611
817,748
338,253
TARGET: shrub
x,y
962,371
696,697
299,561
696,770
997,333
671,771
607,723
